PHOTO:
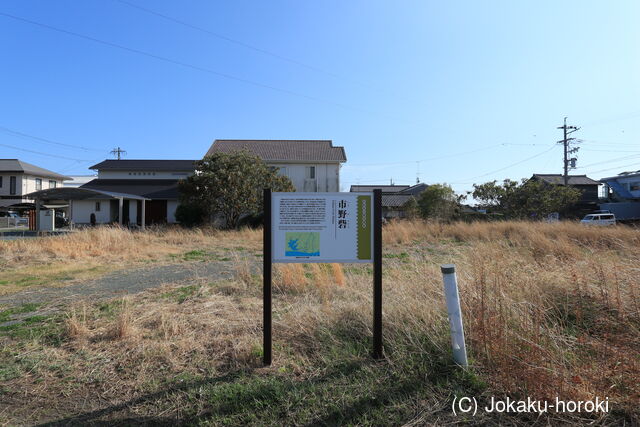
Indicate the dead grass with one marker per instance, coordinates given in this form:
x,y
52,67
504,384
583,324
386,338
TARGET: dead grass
x,y
76,323
549,310
119,244
88,253
124,326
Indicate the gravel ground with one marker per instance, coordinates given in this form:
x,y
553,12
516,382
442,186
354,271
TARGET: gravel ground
x,y
123,282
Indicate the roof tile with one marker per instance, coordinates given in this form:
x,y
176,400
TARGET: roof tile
x,y
283,150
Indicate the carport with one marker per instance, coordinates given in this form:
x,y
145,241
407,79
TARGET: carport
x,y
69,194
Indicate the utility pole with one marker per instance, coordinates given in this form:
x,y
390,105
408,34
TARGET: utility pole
x,y
566,141
117,152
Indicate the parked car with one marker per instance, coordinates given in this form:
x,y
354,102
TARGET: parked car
x,y
602,219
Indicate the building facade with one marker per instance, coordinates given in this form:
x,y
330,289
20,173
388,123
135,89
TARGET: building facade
x,y
18,178
394,197
312,165
622,195
154,180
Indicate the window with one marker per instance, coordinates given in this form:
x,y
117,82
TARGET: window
x,y
311,172
0,182
12,185
52,184
97,206
38,184
634,186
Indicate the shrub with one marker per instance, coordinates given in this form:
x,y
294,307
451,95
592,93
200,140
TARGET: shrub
x,y
190,215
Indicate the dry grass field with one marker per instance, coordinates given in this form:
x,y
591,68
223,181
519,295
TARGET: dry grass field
x,y
550,310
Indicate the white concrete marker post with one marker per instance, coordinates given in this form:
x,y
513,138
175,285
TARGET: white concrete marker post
x,y
455,315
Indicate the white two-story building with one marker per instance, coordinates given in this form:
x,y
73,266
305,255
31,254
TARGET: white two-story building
x,y
312,165
18,178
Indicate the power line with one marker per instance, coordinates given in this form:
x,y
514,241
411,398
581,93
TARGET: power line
x,y
43,154
507,167
619,117
181,63
605,143
613,151
615,167
446,156
231,40
44,140
610,161
467,180
77,165
429,159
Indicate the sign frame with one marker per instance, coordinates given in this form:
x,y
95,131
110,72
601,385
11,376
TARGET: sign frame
x,y
362,231
376,260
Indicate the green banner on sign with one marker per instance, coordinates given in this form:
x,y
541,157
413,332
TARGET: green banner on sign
x,y
364,227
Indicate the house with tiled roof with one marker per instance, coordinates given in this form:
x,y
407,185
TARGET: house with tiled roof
x,y
586,185
589,191
18,178
144,192
394,197
154,180
312,165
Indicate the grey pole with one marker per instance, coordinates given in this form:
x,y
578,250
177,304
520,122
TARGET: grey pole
x,y
120,206
38,215
455,315
142,215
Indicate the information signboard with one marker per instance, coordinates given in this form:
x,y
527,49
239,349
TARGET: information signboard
x,y
322,227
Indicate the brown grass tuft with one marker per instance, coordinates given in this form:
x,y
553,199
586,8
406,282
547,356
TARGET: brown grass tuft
x,y
338,274
75,323
290,277
123,327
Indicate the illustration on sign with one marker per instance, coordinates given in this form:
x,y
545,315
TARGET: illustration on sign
x,y
303,243
328,227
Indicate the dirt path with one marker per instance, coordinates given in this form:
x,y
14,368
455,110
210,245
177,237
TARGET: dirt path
x,y
123,282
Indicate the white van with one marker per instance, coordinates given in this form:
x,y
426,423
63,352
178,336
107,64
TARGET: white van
x,y
599,219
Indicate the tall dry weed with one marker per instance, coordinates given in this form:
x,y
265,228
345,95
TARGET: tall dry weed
x,y
75,323
290,277
124,326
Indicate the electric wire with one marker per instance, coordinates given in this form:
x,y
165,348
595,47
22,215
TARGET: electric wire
x,y
43,154
45,140
183,64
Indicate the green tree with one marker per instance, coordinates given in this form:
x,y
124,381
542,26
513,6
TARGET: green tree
x,y
411,208
230,185
527,199
439,201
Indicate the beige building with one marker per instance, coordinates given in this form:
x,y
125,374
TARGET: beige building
x,y
312,165
18,178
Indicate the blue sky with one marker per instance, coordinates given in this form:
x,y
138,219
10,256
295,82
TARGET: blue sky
x,y
462,92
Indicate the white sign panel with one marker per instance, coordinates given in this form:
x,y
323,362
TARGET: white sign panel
x,y
322,227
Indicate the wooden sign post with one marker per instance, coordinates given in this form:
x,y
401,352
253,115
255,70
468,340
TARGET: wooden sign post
x,y
322,228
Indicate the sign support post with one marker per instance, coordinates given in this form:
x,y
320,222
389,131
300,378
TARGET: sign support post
x,y
266,277
377,274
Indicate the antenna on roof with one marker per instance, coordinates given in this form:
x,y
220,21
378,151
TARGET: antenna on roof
x,y
391,181
117,152
418,173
